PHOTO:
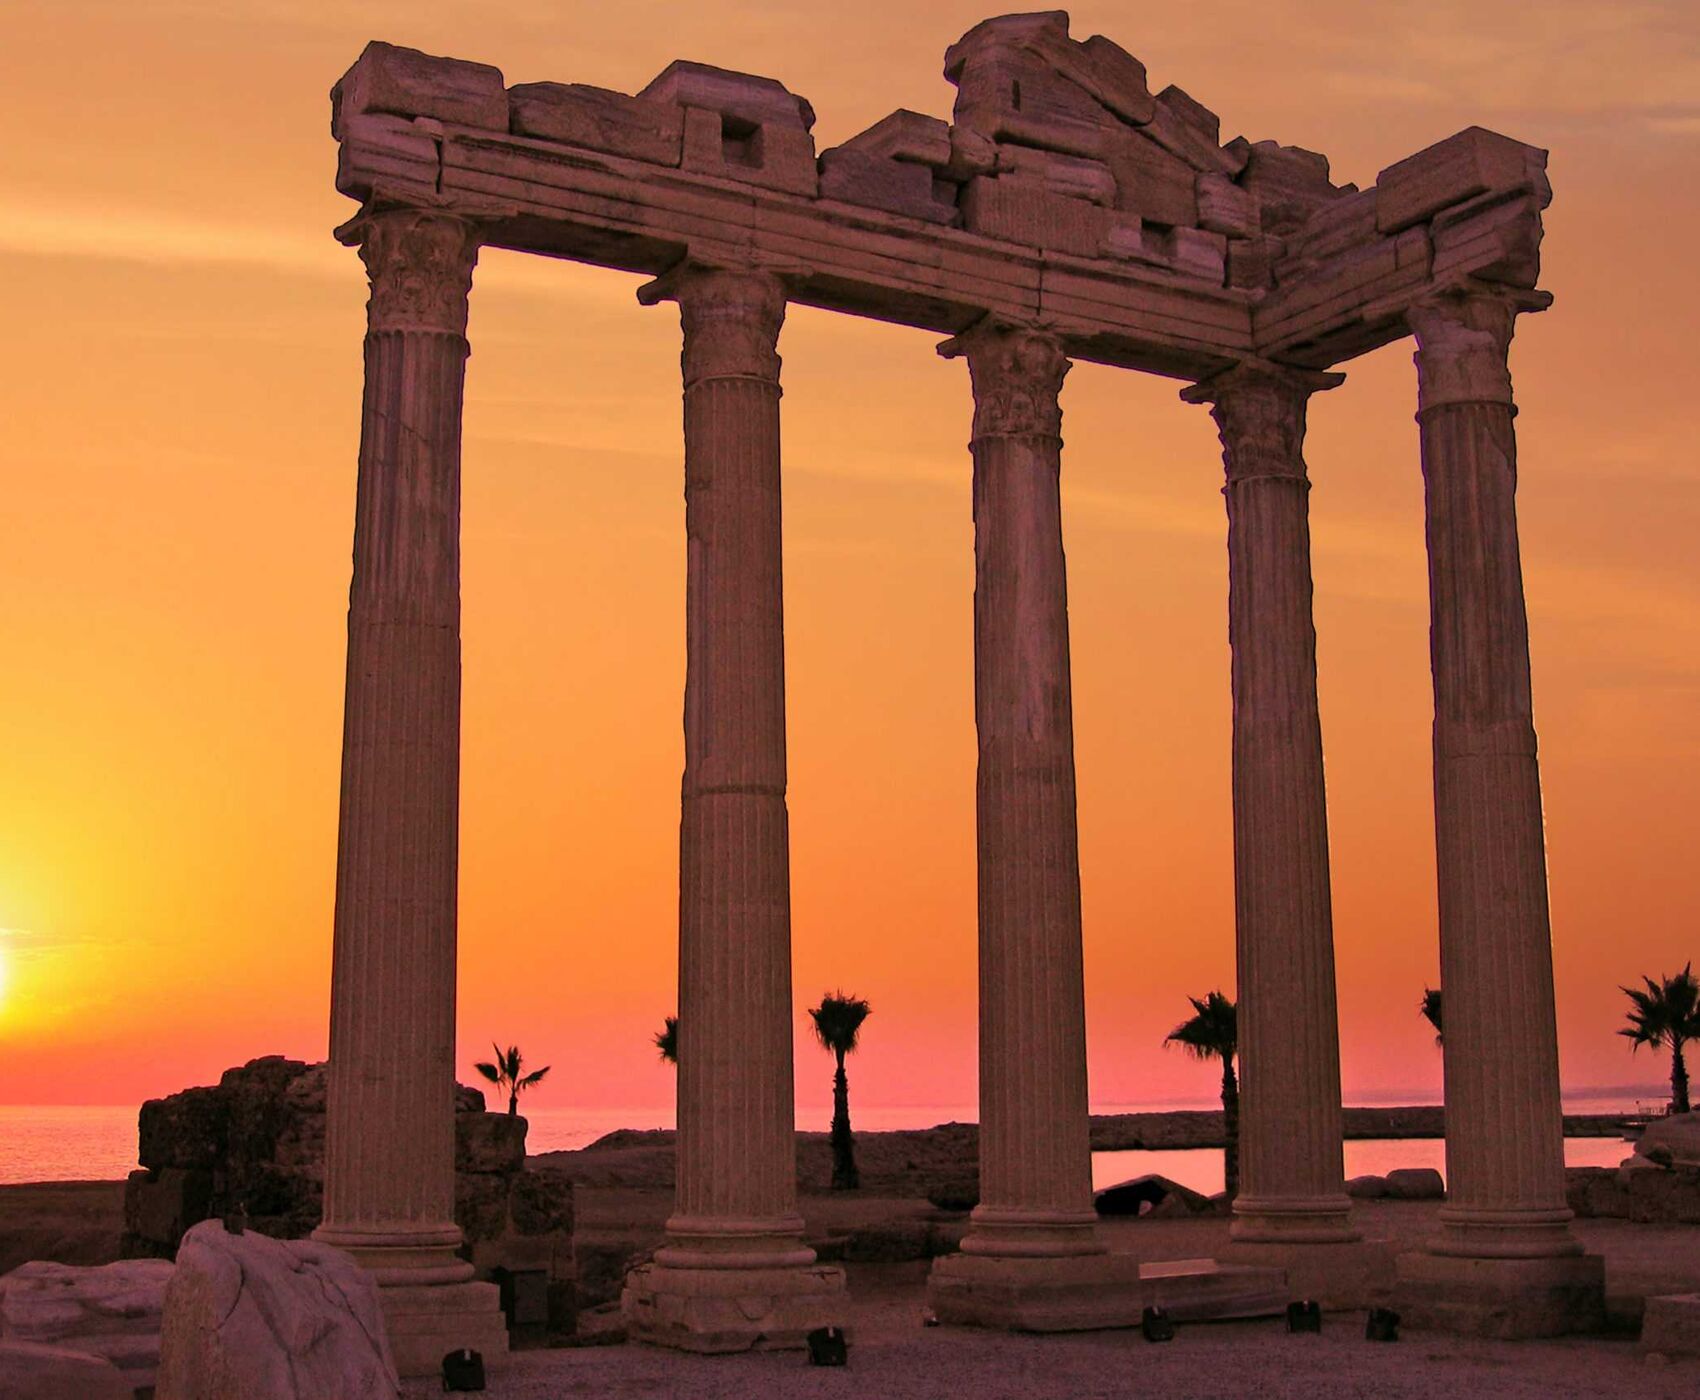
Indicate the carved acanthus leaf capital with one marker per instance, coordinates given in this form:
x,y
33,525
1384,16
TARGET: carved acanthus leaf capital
x,y
1260,417
731,320
1463,345
1017,376
420,266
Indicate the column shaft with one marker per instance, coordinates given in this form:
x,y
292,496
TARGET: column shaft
x,y
389,1171
1291,1183
1035,1158
1504,1129
737,1158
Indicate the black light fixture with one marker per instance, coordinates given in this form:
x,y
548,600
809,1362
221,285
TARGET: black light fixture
x,y
1157,1325
827,1347
1382,1326
463,1370
1305,1315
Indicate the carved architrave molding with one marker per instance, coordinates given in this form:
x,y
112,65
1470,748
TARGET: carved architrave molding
x,y
1463,347
420,266
1260,417
1017,377
731,320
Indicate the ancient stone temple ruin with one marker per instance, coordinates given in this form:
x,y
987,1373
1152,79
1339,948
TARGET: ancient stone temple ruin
x,y
1066,212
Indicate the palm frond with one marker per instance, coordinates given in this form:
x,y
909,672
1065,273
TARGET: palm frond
x,y
838,1020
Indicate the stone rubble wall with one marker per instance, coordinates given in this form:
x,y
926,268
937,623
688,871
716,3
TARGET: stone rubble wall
x,y
257,1138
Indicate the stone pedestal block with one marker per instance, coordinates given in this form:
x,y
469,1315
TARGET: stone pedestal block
x,y
1075,1293
1671,1325
1343,1275
427,1322
1207,1290
722,1310
1506,1298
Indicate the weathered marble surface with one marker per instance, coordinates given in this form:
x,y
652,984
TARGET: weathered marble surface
x,y
253,1318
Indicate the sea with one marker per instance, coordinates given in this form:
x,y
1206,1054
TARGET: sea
x,y
98,1142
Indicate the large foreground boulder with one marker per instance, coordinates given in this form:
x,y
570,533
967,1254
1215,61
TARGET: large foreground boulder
x,y
1672,1141
30,1371
252,1318
1415,1184
112,1311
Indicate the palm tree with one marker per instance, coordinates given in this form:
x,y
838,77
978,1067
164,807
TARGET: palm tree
x,y
838,1019
1666,1014
667,1040
505,1073
1431,1009
1212,1033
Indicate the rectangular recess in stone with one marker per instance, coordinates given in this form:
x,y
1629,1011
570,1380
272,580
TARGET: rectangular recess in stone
x,y
598,120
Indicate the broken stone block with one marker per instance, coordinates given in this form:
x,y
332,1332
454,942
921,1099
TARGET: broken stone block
x,y
405,82
1227,208
748,99
1276,172
1193,112
1415,1184
1670,1325
878,182
1117,79
1198,253
393,151
489,1142
1450,171
246,1316
971,154
1002,207
598,120
1059,174
904,136
160,1205
1491,237
1154,184
1249,264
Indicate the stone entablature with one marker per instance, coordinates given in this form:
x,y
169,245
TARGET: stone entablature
x,y
1064,193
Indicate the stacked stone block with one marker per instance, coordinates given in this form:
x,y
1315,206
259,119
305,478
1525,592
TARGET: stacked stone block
x,y
256,1140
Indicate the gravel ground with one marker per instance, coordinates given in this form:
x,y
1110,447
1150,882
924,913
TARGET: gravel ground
x,y
892,1355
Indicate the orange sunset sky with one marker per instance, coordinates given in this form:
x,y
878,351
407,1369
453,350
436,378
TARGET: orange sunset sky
x,y
179,410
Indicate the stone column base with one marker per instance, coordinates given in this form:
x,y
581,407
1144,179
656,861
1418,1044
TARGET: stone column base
x,y
1502,1297
428,1321
1289,1220
1343,1276
721,1310
1071,1293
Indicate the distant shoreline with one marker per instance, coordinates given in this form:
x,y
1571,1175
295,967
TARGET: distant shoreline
x,y
1183,1129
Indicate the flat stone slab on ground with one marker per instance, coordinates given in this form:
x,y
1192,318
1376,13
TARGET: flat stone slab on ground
x,y
112,1310
30,1371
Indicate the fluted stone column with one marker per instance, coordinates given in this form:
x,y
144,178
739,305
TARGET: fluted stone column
x,y
734,1271
1292,1187
1504,1129
389,1164
1033,1235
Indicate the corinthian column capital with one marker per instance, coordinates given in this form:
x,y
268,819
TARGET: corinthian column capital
x,y
1017,376
1260,417
419,265
731,320
1464,341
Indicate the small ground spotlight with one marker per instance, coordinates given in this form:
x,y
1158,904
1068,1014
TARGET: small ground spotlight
x,y
1383,1325
827,1347
1157,1325
1304,1316
463,1370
